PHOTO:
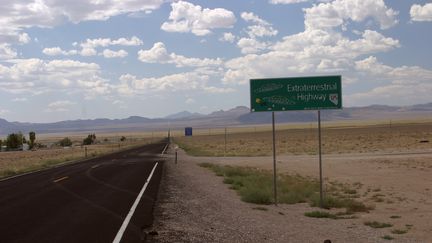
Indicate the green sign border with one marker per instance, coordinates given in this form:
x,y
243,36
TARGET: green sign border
x,y
307,93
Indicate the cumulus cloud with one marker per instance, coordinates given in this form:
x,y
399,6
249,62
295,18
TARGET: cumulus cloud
x,y
59,106
114,54
196,80
88,47
57,51
250,45
159,54
336,13
6,52
105,42
319,49
312,51
186,17
421,13
398,75
36,76
228,37
261,28
18,15
403,85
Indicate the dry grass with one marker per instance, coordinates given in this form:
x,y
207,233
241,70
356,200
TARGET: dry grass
x,y
18,162
398,137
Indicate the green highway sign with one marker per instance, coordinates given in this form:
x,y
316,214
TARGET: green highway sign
x,y
300,93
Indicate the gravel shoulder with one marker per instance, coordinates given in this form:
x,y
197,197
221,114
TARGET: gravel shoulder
x,y
195,206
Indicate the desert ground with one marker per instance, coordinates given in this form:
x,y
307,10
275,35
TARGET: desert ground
x,y
388,165
18,162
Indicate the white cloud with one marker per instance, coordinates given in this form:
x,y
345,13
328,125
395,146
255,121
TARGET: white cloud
x,y
114,54
228,37
190,100
403,85
261,28
86,52
105,42
60,106
336,13
196,80
36,76
57,51
88,47
6,52
312,51
249,45
399,75
408,94
287,1
320,49
187,17
3,111
421,13
251,17
159,54
18,15
20,100
24,38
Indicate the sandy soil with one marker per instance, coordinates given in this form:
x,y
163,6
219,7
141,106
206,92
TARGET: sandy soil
x,y
195,206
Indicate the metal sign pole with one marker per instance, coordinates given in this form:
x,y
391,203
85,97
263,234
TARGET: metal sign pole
x,y
320,159
274,160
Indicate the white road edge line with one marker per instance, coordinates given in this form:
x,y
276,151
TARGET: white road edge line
x,y
166,146
132,210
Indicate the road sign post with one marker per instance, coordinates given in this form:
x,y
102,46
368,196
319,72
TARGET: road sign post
x,y
297,93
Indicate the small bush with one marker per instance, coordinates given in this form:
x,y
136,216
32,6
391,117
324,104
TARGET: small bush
x,y
375,224
320,214
399,231
387,237
256,186
65,142
260,208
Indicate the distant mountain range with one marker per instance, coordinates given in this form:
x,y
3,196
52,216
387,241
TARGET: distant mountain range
x,y
240,115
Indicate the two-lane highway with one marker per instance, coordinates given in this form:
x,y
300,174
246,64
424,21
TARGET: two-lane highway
x,y
104,199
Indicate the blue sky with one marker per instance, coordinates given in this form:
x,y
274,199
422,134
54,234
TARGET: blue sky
x,y
84,59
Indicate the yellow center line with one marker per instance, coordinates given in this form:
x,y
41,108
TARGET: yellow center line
x,y
60,179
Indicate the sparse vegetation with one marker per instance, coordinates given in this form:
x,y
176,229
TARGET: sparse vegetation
x,y
65,142
18,162
256,186
90,139
320,214
387,237
298,139
395,217
14,140
32,138
260,208
399,231
377,225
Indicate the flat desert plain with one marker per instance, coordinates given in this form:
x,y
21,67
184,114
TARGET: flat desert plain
x,y
388,165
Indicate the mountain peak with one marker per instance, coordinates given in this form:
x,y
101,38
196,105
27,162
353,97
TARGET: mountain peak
x,y
184,115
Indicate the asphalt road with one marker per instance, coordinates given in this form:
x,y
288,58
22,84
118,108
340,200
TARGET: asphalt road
x,y
82,202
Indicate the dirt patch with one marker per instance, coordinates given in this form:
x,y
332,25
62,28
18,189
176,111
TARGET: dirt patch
x,y
195,206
